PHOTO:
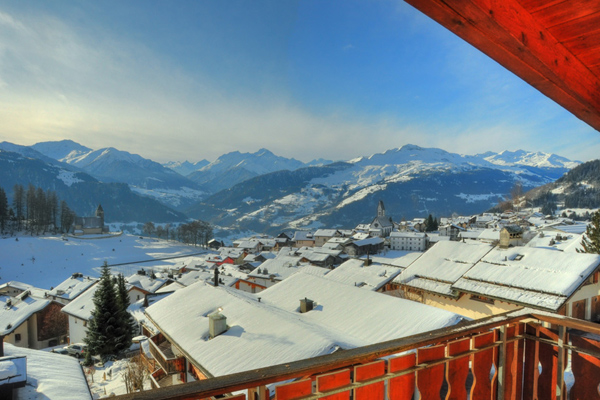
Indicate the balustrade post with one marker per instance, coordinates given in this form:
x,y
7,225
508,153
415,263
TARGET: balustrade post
x,y
501,363
560,374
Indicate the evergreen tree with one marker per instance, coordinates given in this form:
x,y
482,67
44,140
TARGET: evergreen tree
x,y
3,209
429,224
104,326
591,240
19,203
128,326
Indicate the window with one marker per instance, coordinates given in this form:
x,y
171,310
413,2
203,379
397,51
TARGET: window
x,y
84,323
17,337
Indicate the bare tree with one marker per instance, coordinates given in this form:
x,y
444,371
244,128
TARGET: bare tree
x,y
134,374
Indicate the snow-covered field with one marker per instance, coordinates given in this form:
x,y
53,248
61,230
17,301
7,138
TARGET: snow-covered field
x,y
47,261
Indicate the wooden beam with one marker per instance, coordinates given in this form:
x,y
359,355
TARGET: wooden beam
x,y
510,35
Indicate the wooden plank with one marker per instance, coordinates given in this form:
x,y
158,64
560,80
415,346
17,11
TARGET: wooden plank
x,y
548,360
458,370
578,309
506,32
581,26
537,5
561,393
481,367
595,308
334,380
236,397
294,390
402,387
565,11
430,380
364,373
531,371
586,370
520,351
511,378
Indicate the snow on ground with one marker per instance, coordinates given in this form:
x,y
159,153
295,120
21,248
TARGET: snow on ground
x,y
68,177
107,379
472,198
48,260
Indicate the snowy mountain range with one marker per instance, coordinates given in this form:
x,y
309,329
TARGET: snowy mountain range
x,y
411,180
262,191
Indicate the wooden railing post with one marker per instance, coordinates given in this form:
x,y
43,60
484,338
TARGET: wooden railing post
x,y
502,370
560,374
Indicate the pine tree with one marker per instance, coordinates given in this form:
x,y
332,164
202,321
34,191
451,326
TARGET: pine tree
x,y
104,325
591,239
128,327
3,209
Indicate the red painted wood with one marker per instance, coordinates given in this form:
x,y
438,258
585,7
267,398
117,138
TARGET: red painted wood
x,y
430,380
403,387
236,397
364,373
458,370
586,370
566,12
482,366
514,353
294,390
519,364
334,380
531,372
549,360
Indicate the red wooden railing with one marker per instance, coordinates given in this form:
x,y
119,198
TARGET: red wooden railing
x,y
511,356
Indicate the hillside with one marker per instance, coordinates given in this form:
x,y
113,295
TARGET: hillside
x,y
578,188
81,191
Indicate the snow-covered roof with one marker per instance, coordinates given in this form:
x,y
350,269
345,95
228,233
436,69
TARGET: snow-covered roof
x,y
567,242
145,282
21,287
50,376
281,266
72,287
489,235
353,272
368,241
16,310
405,260
303,235
532,276
327,232
272,331
442,265
83,305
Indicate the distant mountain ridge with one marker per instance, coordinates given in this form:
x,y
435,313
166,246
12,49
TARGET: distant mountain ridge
x,y
81,191
413,181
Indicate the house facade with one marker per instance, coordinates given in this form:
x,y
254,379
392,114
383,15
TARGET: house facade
x,y
410,241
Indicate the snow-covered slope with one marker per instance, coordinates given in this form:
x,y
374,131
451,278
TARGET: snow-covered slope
x,y
62,150
235,167
532,159
185,168
144,176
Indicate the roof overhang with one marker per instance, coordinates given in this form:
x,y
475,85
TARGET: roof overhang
x,y
552,45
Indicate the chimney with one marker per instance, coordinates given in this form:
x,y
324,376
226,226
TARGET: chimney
x,y
217,323
306,305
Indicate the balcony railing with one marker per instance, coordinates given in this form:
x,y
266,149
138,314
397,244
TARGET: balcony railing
x,y
168,362
518,355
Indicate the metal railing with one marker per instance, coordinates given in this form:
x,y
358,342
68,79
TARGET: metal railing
x,y
517,355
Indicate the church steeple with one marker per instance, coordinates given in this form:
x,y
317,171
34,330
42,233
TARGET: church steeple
x,y
380,209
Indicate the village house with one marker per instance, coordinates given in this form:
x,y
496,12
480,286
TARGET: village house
x,y
371,245
275,270
511,235
354,272
451,230
478,280
31,319
303,239
410,241
79,312
321,236
302,317
70,288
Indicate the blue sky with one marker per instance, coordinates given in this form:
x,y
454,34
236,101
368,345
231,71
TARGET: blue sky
x,y
306,79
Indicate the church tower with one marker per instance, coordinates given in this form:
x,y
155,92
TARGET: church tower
x,y
380,209
100,214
